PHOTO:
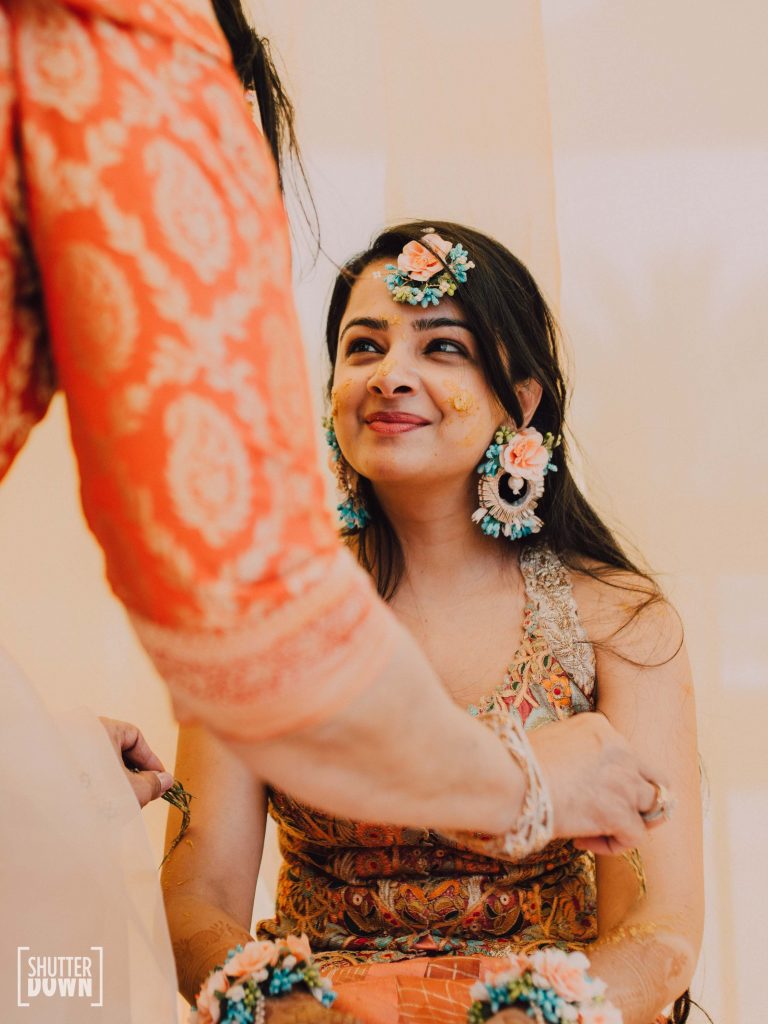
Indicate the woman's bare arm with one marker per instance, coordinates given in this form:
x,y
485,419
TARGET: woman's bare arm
x,y
209,881
649,945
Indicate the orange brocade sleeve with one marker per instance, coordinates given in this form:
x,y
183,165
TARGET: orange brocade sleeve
x,y
157,225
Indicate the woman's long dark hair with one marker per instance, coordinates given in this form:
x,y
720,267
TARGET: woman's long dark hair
x,y
252,60
255,68
517,339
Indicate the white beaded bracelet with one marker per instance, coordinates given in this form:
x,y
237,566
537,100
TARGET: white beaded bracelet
x,y
534,827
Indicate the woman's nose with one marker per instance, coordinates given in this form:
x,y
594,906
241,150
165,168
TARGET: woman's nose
x,y
392,378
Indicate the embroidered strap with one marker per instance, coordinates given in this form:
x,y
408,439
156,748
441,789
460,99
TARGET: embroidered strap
x,y
549,587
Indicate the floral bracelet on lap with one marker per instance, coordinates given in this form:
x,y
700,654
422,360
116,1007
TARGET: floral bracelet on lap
x,y
550,985
237,992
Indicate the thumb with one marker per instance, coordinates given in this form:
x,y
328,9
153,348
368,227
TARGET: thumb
x,y
148,786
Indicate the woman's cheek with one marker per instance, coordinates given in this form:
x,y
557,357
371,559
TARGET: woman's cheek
x,y
344,413
340,396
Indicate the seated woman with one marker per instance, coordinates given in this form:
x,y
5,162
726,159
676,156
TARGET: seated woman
x,y
447,420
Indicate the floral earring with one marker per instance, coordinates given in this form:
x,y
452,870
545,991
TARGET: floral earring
x,y
512,482
353,514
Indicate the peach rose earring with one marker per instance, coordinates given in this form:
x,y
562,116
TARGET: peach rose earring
x,y
353,515
512,482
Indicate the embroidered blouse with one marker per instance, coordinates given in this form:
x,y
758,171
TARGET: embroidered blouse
x,y
367,892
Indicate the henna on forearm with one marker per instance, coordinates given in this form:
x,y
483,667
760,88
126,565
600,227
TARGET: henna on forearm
x,y
201,936
646,966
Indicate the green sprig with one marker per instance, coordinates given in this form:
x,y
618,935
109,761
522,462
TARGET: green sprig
x,y
179,798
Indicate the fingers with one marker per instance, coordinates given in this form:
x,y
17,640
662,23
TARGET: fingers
x,y
129,742
148,786
653,781
147,777
602,846
140,755
637,789
629,826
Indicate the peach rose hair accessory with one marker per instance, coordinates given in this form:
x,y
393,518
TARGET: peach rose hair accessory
x,y
427,270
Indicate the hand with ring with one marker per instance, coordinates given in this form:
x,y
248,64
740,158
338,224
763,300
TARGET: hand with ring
x,y
662,806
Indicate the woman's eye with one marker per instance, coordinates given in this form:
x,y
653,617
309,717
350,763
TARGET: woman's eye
x,y
446,345
362,345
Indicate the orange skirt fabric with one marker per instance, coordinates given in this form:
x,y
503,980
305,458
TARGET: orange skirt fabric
x,y
145,270
423,990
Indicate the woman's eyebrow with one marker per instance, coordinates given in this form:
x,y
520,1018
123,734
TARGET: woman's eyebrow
x,y
431,322
371,322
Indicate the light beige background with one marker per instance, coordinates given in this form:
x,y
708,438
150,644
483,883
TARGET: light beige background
x,y
651,173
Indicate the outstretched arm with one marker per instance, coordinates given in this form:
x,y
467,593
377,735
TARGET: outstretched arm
x,y
359,763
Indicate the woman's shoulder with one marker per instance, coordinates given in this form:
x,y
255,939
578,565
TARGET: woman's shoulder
x,y
624,612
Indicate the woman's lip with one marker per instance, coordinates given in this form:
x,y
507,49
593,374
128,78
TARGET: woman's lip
x,y
396,417
394,426
394,422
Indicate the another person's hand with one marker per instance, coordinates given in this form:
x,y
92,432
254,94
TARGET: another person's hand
x,y
599,785
151,780
510,1017
303,1008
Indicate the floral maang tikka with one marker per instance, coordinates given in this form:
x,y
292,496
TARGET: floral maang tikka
x,y
512,482
427,270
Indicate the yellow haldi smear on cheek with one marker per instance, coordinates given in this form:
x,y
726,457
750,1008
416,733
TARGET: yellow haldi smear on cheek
x,y
463,401
338,394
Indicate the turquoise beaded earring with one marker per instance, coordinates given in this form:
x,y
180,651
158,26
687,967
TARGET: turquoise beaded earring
x,y
512,482
353,515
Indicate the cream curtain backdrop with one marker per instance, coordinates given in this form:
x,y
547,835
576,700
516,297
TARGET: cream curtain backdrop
x,y
635,132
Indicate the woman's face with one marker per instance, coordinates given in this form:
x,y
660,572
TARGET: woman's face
x,y
409,399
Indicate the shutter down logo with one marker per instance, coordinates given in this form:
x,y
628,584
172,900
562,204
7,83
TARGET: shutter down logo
x,y
42,976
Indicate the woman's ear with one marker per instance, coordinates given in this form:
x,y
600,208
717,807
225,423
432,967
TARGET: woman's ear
x,y
529,394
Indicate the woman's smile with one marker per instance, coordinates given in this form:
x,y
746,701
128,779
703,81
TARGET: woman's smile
x,y
395,422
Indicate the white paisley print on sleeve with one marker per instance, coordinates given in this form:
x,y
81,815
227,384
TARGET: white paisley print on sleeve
x,y
157,229
103,287
60,64
189,211
209,475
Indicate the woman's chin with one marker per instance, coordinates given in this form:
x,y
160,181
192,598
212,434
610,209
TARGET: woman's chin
x,y
394,478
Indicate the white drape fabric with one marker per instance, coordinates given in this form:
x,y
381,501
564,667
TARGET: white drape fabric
x,y
77,873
